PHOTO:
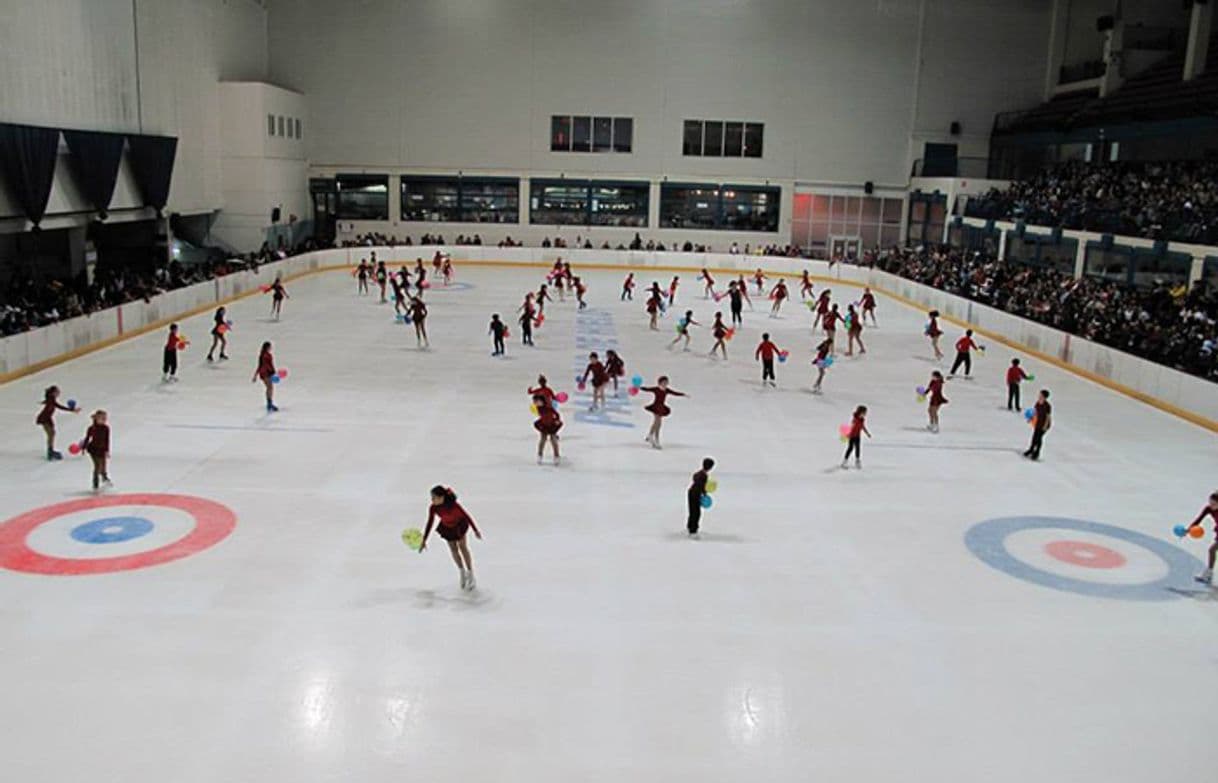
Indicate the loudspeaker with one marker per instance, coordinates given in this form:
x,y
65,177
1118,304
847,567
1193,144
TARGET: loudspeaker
x,y
868,188
1020,228
1105,23
1056,235
955,129
1106,241
275,215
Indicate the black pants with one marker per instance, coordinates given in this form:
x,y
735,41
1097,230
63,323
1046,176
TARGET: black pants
x,y
767,369
526,332
1013,397
736,317
1038,436
855,447
169,364
498,344
627,293
695,511
962,358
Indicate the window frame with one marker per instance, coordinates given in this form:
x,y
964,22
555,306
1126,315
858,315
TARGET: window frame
x,y
369,179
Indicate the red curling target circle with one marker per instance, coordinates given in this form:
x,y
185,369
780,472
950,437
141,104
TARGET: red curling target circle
x,y
213,523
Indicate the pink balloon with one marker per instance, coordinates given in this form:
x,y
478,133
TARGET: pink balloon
x,y
283,372
561,397
74,448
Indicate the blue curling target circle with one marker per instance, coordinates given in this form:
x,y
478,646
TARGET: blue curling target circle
x,y
1083,557
111,530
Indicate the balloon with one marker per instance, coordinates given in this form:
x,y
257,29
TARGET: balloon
x,y
707,502
782,357
275,379
424,284
264,288
1196,531
678,328
920,391
72,404
1029,414
283,372
844,430
633,391
581,386
74,448
636,380
406,319
1031,377
412,538
711,485
533,408
1179,531
828,361
561,397
541,319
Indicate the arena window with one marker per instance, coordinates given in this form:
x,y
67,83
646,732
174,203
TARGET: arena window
x,y
718,138
363,196
591,134
620,203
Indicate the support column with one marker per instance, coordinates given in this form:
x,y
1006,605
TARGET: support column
x,y
1080,259
1114,55
1198,40
1059,25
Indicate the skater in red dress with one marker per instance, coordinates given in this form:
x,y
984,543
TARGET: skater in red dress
x,y
779,295
672,290
658,409
46,419
822,307
743,288
548,423
265,372
759,279
766,351
709,290
599,377
937,400
868,303
934,332
97,445
615,367
382,279
805,285
399,296
655,303
447,269
854,331
453,523
1210,510
720,332
418,317
858,428
543,390
278,294
822,356
830,323
628,288
580,289
362,275
218,339
560,281
543,296
437,264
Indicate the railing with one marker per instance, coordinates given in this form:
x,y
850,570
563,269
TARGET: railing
x,y
973,168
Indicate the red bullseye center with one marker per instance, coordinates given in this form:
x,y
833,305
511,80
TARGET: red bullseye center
x,y
1081,553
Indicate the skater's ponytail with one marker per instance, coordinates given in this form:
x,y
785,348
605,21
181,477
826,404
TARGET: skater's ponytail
x,y
445,493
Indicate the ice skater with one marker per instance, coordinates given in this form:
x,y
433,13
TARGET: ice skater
x,y
658,409
543,390
1042,421
854,331
721,333
361,275
935,390
868,303
278,294
743,288
693,496
735,296
822,308
628,288
655,305
498,330
266,372
778,295
683,325
1210,510
858,428
452,523
418,317
46,419
447,270
805,285
420,276
97,445
820,362
218,336
759,279
169,356
766,351
580,289
543,296
600,379
1015,377
963,356
382,279
672,290
399,295
829,323
548,423
708,290
934,332
615,367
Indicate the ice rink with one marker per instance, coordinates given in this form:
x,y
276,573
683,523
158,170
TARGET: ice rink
x,y
829,625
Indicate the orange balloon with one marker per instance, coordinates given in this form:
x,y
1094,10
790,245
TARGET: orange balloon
x,y
1196,531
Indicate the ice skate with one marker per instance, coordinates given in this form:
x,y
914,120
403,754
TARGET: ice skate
x,y
1206,577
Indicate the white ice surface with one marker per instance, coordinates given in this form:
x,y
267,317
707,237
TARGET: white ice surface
x,y
829,626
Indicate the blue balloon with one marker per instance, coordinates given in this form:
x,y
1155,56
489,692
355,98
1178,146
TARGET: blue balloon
x,y
1029,414
275,379
1180,531
72,404
229,324
782,358
636,380
828,361
398,317
706,501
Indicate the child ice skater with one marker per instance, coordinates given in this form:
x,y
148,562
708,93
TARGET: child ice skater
x,y
600,378
693,496
822,356
1210,510
526,320
1042,420
805,285
822,308
654,305
766,352
543,390
759,279
265,372
447,270
720,332
580,289
97,445
278,294
683,325
46,419
418,317
736,301
672,290
169,357
543,296
1015,376
858,428
628,288
615,367
868,303
382,278
497,331
708,290
830,325
779,295
937,400
362,276
743,287
854,331
934,332
548,423
218,338
963,356
658,409
453,523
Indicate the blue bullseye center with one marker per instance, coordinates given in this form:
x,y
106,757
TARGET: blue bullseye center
x,y
111,530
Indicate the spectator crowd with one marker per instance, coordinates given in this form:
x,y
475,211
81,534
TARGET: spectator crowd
x,y
1175,201
1176,327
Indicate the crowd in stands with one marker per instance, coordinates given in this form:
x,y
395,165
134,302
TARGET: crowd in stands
x,y
1176,201
1177,326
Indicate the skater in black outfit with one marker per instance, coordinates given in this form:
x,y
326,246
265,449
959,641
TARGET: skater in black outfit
x,y
1041,422
498,331
697,489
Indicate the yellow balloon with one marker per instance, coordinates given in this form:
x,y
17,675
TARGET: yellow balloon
x,y
712,485
534,409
